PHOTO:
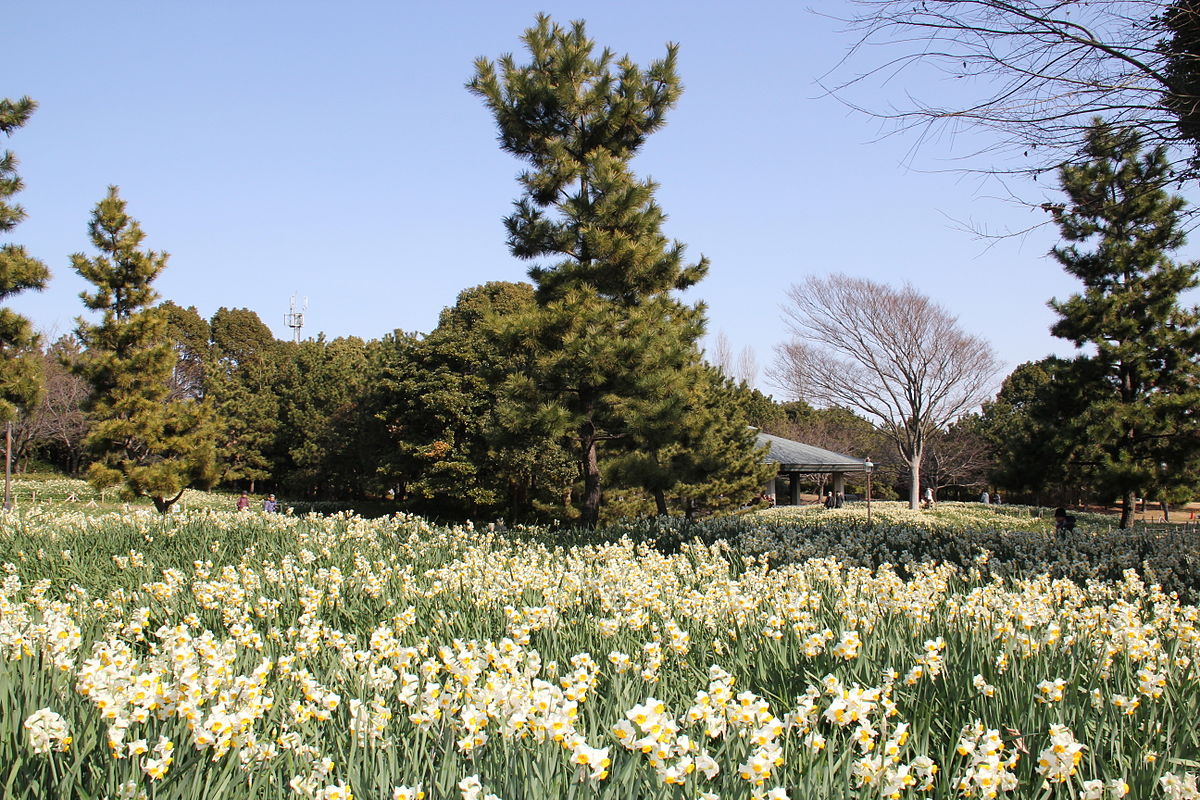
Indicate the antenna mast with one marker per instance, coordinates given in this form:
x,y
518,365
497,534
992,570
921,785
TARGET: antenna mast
x,y
295,319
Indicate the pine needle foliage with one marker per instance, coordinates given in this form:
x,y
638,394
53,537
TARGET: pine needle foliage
x,y
154,446
579,118
20,374
239,381
1143,368
697,446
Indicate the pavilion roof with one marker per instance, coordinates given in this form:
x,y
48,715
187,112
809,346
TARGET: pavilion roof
x,y
794,456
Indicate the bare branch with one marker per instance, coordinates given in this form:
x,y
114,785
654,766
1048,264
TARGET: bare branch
x,y
1035,73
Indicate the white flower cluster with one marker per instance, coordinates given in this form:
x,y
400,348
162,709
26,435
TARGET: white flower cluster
x,y
990,770
1099,790
1179,787
47,731
1059,761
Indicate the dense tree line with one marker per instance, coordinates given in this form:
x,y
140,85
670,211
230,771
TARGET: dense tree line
x,y
429,421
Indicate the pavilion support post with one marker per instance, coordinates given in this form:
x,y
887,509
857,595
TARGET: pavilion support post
x,y
839,483
794,488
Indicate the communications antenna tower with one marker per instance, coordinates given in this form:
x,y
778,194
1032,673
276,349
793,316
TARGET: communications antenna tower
x,y
295,318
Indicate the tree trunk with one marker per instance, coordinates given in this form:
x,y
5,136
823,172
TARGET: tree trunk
x,y
660,502
163,505
914,476
518,494
591,476
1126,510
8,465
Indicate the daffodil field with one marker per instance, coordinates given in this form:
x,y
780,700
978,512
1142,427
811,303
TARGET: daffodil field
x,y
211,654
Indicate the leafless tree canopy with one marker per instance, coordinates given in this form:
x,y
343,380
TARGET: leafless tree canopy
x,y
746,367
58,421
1035,71
892,355
722,356
959,456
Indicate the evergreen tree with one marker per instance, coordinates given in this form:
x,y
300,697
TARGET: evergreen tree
x,y
763,412
20,373
154,445
241,338
1144,376
606,330
1036,429
699,448
459,448
240,380
322,442
189,334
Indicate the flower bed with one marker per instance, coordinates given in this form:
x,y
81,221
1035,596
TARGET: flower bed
x,y
224,655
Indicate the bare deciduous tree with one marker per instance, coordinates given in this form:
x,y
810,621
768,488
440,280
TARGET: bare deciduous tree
x,y
892,355
747,366
57,423
744,369
959,456
722,355
1036,72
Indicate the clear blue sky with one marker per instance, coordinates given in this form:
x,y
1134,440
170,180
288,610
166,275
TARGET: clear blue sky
x,y
330,150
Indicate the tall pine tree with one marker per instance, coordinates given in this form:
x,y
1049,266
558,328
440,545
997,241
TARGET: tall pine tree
x,y
607,329
155,446
20,374
1120,227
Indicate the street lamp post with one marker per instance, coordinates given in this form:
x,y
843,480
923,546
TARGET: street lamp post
x,y
868,466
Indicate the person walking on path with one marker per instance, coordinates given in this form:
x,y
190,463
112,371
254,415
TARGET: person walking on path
x,y
243,502
269,505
